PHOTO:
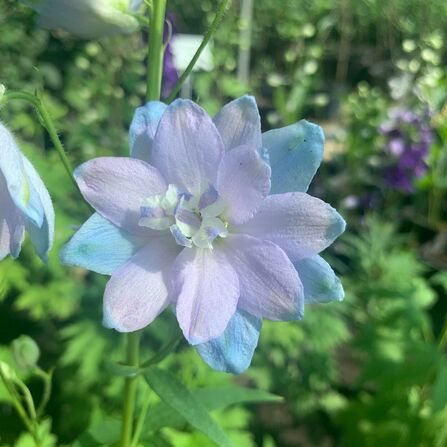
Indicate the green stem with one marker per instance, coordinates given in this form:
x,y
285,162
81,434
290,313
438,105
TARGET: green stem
x,y
212,29
153,88
155,51
141,419
170,346
47,385
130,386
17,404
48,123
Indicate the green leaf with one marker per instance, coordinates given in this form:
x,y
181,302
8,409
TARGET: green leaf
x,y
162,415
213,399
176,396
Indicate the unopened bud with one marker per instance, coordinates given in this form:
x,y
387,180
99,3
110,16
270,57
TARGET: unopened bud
x,y
26,352
6,372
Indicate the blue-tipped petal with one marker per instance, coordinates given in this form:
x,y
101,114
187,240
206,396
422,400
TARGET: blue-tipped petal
x,y
295,153
41,236
100,246
233,350
320,283
22,192
142,129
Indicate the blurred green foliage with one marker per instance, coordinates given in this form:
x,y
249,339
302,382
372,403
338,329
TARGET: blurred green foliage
x,y
369,372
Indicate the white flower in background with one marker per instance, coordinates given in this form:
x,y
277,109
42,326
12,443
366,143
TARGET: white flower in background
x,y
88,19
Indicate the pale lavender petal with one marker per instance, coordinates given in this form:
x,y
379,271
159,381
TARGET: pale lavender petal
x,y
207,291
116,186
243,182
22,193
269,283
300,224
187,147
139,290
239,123
142,129
12,224
41,236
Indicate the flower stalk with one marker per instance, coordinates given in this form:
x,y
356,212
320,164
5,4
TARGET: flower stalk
x,y
224,4
48,124
130,388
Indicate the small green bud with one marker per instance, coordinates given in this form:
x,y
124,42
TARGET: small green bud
x,y
26,352
6,372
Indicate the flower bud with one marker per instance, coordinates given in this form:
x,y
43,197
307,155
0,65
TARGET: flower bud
x,y
25,351
6,372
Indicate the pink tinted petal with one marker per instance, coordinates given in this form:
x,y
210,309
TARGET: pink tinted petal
x,y
207,290
138,291
239,123
116,186
187,147
300,224
243,182
269,283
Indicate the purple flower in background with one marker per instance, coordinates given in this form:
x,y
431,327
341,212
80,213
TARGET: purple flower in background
x,y
170,75
408,140
189,223
24,202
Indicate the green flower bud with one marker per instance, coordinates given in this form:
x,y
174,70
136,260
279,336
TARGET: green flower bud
x,y
6,372
26,352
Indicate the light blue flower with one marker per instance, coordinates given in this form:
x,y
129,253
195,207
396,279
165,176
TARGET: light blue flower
x,y
87,19
24,202
193,226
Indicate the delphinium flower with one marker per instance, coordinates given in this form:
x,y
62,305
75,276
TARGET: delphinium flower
x,y
188,222
24,202
87,19
408,139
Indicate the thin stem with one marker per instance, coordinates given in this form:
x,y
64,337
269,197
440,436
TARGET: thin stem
x,y
155,51
153,88
141,419
130,387
49,126
170,346
212,29
27,398
47,385
17,404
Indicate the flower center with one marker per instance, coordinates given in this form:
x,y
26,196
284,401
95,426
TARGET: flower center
x,y
192,220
